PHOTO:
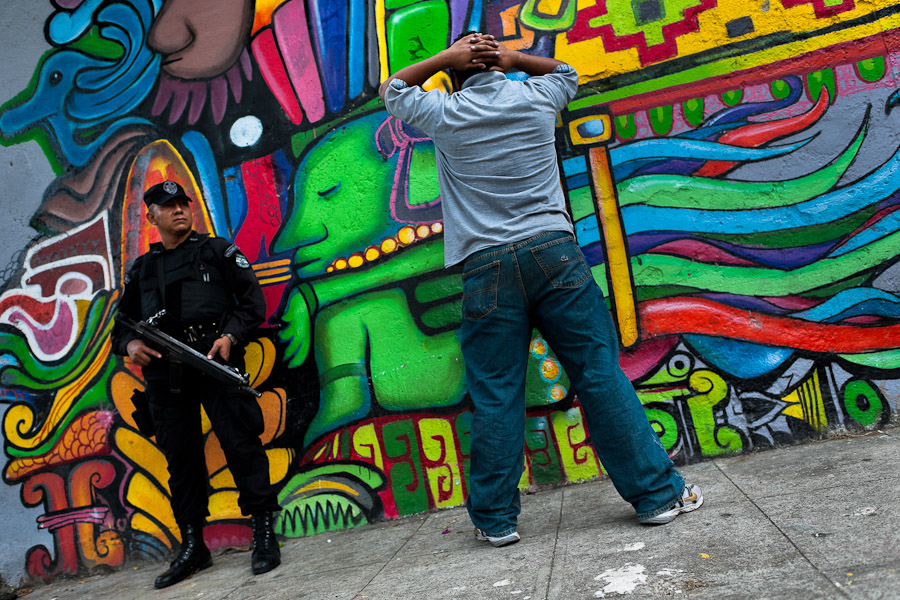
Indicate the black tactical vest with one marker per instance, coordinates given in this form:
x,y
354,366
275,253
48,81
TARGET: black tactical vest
x,y
195,289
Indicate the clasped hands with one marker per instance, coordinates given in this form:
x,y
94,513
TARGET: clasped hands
x,y
480,51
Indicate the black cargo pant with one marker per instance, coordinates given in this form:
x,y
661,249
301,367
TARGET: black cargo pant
x,y
237,421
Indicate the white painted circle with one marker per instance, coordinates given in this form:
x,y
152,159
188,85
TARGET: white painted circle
x,y
246,131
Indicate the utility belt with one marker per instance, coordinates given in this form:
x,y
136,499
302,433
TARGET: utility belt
x,y
199,332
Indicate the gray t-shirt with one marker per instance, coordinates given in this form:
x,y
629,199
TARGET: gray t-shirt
x,y
496,159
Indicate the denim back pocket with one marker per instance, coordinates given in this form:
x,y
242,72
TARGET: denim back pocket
x,y
562,263
480,290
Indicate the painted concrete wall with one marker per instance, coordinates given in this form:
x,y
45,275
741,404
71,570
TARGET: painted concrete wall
x,y
732,168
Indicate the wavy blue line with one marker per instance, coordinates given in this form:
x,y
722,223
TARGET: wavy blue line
x,y
877,230
738,358
685,148
851,303
823,209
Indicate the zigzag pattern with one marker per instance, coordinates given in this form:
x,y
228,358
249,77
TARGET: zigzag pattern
x,y
582,30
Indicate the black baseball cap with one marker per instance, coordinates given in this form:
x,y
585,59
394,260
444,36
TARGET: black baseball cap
x,y
164,192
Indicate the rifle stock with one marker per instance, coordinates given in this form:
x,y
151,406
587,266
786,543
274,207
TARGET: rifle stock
x,y
179,351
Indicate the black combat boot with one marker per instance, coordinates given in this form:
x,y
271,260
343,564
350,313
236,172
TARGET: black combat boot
x,y
266,553
194,556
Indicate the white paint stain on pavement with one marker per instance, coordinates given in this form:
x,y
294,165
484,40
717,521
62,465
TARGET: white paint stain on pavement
x,y
623,580
669,572
502,583
633,547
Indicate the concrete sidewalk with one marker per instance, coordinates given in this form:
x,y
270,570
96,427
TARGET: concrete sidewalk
x,y
818,520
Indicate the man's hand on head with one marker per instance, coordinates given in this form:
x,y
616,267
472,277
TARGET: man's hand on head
x,y
506,59
477,51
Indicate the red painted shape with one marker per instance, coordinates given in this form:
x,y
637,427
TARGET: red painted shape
x,y
821,9
49,489
612,42
41,312
757,134
267,56
702,316
273,295
263,207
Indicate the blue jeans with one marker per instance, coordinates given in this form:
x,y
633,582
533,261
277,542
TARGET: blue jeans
x,y
544,282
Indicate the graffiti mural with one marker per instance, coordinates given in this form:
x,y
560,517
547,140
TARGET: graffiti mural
x,y
732,171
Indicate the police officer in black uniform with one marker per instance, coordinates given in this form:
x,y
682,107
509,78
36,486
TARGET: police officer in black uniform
x,y
213,302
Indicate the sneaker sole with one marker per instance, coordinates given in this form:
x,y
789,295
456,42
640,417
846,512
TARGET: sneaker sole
x,y
499,543
668,519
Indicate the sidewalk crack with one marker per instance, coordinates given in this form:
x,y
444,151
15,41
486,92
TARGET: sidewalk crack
x,y
359,594
833,583
562,501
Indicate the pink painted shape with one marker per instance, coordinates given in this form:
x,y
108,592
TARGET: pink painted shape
x,y
54,338
639,361
272,68
292,34
792,302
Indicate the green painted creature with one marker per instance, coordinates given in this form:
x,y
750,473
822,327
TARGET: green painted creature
x,y
373,300
384,328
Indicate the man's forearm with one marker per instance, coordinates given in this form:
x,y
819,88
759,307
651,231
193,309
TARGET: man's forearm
x,y
535,65
418,73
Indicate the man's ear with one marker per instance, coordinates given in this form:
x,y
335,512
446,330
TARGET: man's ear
x,y
151,217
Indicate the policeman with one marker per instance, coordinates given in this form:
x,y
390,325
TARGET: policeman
x,y
213,302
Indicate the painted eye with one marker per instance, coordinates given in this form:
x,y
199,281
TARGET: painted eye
x,y
680,365
55,77
330,191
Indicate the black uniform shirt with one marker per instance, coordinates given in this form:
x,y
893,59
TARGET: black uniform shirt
x,y
246,302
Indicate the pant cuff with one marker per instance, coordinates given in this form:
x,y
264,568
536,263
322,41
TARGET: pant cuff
x,y
667,506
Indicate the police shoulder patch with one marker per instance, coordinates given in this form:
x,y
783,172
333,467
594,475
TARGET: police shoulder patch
x,y
241,261
230,250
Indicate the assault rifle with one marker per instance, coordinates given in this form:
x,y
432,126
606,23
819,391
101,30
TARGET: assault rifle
x,y
180,352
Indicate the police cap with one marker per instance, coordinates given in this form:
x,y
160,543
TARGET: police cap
x,y
164,192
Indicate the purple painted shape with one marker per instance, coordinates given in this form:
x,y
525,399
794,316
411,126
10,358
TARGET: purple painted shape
x,y
235,82
218,98
180,96
68,4
746,302
458,10
163,95
292,35
674,166
774,257
198,101
246,65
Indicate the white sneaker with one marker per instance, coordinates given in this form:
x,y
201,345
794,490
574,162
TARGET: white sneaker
x,y
691,499
497,542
